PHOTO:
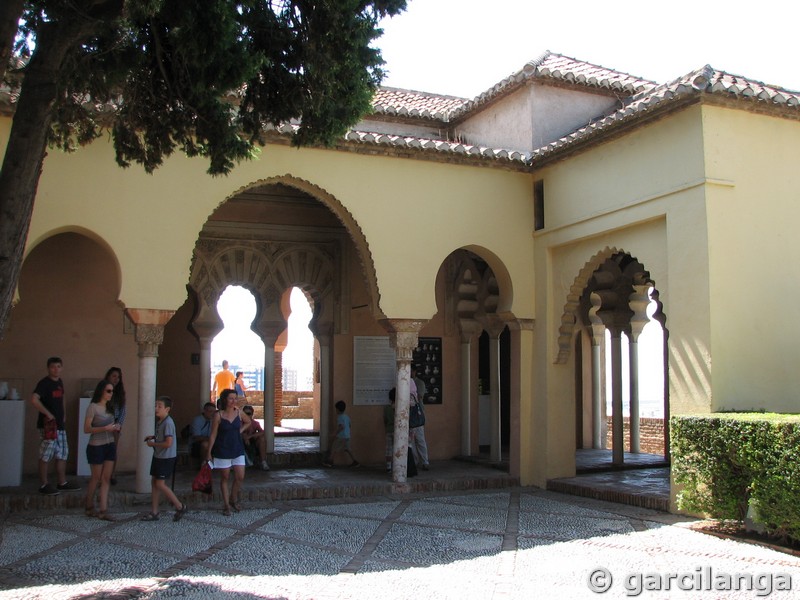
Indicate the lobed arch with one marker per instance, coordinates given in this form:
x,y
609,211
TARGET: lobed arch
x,y
343,215
569,316
267,271
475,293
572,307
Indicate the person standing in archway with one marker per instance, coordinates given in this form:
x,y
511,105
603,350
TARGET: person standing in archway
x,y
224,380
240,385
416,435
226,447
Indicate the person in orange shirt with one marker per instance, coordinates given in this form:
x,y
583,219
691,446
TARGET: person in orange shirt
x,y
224,380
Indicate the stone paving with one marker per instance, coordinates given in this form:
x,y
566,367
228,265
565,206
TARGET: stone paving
x,y
488,544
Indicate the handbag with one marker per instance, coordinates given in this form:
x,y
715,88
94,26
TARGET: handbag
x,y
202,481
416,416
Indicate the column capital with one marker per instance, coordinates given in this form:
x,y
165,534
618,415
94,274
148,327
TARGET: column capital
x,y
149,328
493,324
469,329
403,336
269,331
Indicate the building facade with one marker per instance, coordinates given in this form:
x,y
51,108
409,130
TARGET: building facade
x,y
535,230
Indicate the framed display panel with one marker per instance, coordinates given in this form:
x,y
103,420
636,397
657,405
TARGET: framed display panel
x,y
427,358
374,370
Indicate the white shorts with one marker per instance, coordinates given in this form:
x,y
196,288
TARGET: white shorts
x,y
227,463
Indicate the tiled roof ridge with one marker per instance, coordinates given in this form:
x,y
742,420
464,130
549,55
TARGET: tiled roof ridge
x,y
548,65
559,67
705,80
421,144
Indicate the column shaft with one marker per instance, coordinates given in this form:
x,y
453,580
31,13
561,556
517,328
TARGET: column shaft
x,y
466,399
633,351
618,450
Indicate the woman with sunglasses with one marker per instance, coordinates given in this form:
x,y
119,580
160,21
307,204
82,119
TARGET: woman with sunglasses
x,y
101,452
117,404
226,447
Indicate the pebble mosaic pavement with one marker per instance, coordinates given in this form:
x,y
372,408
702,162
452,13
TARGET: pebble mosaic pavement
x,y
496,544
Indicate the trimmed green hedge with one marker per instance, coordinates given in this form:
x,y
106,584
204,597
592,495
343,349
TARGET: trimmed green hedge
x,y
723,461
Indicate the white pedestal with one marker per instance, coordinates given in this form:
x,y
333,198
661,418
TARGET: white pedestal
x,y
83,441
12,438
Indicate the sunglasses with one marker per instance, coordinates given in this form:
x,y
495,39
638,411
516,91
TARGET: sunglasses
x,y
109,390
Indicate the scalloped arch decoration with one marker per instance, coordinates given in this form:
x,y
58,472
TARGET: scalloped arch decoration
x,y
345,218
570,314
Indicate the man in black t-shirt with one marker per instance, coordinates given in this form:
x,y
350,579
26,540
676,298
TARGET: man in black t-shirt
x,y
48,399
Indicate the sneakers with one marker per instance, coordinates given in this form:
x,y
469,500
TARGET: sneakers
x,y
48,490
355,464
327,463
426,468
264,466
68,486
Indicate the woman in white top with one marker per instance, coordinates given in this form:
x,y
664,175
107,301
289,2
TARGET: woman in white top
x,y
101,452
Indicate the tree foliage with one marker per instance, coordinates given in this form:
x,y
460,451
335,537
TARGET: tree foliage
x,y
204,78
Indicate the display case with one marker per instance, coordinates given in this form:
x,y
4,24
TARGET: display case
x,y
427,358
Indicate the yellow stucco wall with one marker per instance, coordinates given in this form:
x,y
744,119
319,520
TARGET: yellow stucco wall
x,y
753,251
642,194
412,213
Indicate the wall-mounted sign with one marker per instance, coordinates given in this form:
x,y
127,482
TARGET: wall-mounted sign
x,y
427,358
374,370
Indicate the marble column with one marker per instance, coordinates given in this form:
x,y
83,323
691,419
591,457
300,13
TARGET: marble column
x,y
206,325
638,303
494,327
325,390
403,336
598,364
269,332
618,435
149,334
469,394
205,371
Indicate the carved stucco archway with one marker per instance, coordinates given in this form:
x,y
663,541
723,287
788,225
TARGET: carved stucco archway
x,y
569,317
344,216
474,293
611,295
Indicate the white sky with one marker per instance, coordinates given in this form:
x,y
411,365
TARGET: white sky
x,y
240,346
464,47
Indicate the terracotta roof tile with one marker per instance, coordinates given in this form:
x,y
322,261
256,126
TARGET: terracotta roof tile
x,y
549,66
702,81
394,101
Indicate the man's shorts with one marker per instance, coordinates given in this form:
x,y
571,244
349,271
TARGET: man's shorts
x,y
57,448
161,468
389,444
227,463
97,455
341,444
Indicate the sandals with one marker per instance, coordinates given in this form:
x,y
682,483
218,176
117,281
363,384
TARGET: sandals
x,y
150,517
90,511
180,512
236,507
226,511
104,516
